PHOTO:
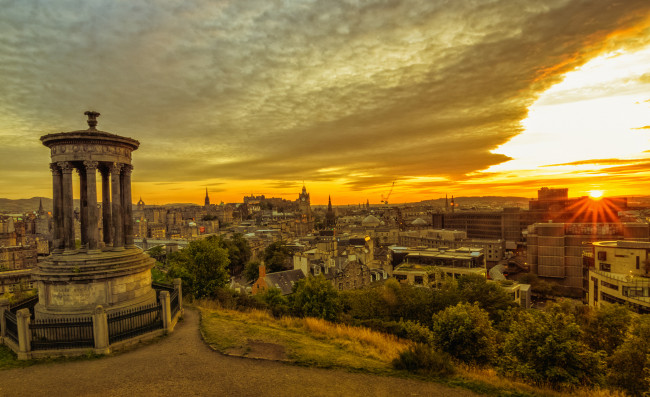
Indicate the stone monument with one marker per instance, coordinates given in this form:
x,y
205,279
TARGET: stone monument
x,y
109,271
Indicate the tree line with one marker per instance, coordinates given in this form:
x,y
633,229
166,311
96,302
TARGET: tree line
x,y
467,320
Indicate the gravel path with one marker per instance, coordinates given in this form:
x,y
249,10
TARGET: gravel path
x,y
181,364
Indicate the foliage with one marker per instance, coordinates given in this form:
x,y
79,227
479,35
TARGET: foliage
x,y
392,301
209,217
547,348
465,332
275,301
276,256
422,359
411,330
315,297
239,252
630,363
489,296
158,253
231,299
537,286
202,266
252,271
606,327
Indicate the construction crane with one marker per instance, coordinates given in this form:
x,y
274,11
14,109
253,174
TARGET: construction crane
x,y
385,199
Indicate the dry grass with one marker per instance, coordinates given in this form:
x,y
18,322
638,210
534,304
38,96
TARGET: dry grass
x,y
490,377
306,341
360,340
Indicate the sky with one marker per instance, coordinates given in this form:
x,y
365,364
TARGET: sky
x,y
463,97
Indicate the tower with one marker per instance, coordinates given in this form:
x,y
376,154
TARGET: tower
x,y
306,223
330,218
453,205
207,198
111,272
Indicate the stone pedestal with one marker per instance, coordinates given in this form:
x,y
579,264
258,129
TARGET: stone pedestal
x,y
73,285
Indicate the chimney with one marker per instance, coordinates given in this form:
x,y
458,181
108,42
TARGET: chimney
x,y
262,271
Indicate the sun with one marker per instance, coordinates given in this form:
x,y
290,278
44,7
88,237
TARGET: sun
x,y
595,194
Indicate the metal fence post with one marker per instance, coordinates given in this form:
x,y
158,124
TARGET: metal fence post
x,y
24,336
166,311
178,285
4,305
100,331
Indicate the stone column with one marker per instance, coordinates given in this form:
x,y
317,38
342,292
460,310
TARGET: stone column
x,y
127,204
166,311
116,207
92,231
83,207
24,336
100,331
57,210
107,222
67,204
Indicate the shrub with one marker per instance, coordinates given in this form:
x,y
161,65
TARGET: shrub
x,y
424,360
546,348
315,297
465,332
630,363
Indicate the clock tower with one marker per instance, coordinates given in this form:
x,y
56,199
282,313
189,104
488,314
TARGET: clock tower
x,y
306,222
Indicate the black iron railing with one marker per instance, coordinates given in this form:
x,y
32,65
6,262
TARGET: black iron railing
x,y
129,323
173,302
62,333
28,303
162,287
11,326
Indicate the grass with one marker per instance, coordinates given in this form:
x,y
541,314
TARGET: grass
x,y
309,342
318,343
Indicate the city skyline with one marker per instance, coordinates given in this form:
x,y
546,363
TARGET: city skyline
x,y
465,99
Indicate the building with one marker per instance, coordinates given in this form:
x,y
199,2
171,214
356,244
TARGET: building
x,y
284,281
555,250
494,250
427,267
619,272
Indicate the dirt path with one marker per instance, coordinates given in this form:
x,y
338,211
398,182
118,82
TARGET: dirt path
x,y
181,364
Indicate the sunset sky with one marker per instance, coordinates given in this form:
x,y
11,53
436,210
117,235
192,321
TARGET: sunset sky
x,y
256,96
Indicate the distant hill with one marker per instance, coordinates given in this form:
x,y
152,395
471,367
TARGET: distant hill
x,y
21,206
483,201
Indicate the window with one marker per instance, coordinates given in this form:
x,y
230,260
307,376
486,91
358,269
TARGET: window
x,y
602,255
609,285
606,267
638,263
418,280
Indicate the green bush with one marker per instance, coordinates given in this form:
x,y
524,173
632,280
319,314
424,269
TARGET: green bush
x,y
424,360
630,363
547,349
465,332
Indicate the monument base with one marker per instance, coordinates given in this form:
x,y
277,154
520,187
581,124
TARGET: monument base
x,y
74,283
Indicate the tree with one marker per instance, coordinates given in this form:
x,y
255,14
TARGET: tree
x,y
203,267
276,256
606,327
158,253
547,348
316,297
239,252
630,363
465,332
252,271
489,296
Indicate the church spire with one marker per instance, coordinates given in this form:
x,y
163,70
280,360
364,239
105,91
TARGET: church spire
x,y
41,211
207,198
